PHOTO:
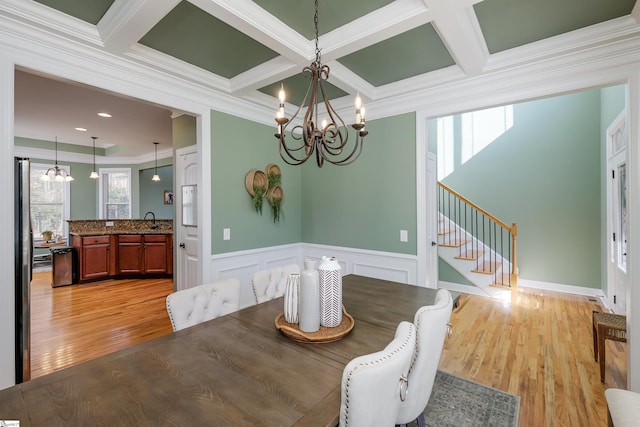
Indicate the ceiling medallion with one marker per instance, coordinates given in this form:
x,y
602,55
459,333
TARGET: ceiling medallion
x,y
329,142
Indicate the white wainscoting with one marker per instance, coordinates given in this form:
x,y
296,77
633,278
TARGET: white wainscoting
x,y
242,264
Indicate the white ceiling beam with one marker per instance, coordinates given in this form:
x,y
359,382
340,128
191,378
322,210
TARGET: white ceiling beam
x,y
458,27
345,79
391,20
274,70
635,12
255,22
127,21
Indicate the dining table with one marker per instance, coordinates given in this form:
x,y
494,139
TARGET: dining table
x,y
235,370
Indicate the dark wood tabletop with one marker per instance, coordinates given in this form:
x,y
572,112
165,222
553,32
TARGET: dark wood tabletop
x,y
233,370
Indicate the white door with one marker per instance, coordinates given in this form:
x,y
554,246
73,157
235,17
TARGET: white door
x,y
432,222
617,214
186,198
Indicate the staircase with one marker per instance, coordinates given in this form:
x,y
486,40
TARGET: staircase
x,y
476,244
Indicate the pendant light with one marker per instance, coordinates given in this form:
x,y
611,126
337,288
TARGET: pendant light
x,y
156,177
94,174
59,175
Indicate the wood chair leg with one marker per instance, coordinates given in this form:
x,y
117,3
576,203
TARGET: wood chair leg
x,y
595,336
601,351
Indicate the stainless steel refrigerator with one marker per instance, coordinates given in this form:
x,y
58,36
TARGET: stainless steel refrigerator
x,y
23,266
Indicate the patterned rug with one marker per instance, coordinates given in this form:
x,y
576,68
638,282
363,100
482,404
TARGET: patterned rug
x,y
462,403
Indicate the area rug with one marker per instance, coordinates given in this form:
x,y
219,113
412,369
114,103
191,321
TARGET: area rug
x,y
462,403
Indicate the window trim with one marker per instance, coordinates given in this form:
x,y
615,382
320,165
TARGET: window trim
x,y
66,197
103,172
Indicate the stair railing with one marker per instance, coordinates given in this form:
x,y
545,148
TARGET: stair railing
x,y
472,229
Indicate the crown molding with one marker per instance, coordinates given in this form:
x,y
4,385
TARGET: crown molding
x,y
572,60
67,156
36,15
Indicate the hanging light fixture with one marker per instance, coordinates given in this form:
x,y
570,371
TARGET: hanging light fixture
x,y
329,142
156,177
94,174
59,175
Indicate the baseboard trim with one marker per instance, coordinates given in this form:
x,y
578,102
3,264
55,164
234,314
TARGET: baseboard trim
x,y
533,284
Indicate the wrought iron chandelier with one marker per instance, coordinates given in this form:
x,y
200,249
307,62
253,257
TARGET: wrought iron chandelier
x,y
329,142
59,175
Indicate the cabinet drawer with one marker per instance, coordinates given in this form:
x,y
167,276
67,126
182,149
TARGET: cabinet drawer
x,y
95,240
130,238
155,238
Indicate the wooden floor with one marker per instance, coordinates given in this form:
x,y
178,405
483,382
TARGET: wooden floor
x,y
537,345
72,324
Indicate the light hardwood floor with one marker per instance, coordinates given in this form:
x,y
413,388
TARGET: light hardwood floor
x,y
538,345
72,324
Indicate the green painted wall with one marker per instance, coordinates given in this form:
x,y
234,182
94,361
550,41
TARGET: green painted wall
x,y
152,192
544,174
366,204
184,131
238,146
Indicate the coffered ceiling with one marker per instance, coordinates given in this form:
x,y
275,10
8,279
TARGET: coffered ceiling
x,y
378,48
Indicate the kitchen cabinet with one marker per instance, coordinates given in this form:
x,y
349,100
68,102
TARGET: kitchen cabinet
x,y
95,257
158,254
144,254
130,254
123,255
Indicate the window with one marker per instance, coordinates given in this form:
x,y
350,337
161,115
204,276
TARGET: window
x,y
481,128
445,146
115,193
50,203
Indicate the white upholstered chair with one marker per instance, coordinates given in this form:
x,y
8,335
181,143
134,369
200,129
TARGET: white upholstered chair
x,y
271,283
195,305
374,384
623,407
432,325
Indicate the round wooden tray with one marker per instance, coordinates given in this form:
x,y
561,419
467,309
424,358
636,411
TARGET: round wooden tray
x,y
324,334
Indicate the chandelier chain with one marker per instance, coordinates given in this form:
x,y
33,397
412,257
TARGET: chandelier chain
x,y
315,23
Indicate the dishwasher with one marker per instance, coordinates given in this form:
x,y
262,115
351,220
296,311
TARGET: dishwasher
x,y
63,266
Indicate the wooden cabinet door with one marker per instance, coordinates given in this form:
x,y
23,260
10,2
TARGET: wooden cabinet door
x,y
95,257
155,254
130,254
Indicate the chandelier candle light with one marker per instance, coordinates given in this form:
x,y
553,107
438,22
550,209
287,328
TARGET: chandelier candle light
x,y
330,140
59,175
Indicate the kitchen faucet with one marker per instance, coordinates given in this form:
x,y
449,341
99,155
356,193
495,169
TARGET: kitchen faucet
x,y
154,225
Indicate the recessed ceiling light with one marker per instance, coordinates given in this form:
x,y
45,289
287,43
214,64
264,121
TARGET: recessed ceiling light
x,y
81,129
104,115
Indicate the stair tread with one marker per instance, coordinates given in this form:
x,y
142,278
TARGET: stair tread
x,y
503,281
487,267
471,255
453,243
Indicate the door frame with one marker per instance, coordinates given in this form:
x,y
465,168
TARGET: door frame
x,y
612,274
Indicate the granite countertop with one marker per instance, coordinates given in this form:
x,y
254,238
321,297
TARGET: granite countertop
x,y
110,231
119,226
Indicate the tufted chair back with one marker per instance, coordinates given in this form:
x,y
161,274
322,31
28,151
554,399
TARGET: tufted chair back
x,y
195,305
374,384
432,325
271,283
